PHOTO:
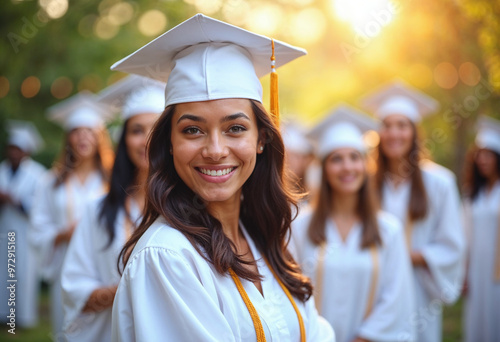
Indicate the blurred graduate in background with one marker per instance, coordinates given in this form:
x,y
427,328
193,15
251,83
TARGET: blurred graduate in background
x,y
424,196
482,203
19,175
79,176
90,273
355,255
298,153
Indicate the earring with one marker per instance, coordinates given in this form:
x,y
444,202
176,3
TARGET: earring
x,y
261,148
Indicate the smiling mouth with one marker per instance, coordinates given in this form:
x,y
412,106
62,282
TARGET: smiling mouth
x,y
216,173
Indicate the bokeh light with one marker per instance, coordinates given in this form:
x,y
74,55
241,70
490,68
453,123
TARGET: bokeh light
x,y
207,7
371,139
4,86
308,26
120,13
61,87
86,25
366,17
30,87
469,74
420,75
265,19
446,75
152,23
54,8
236,12
104,29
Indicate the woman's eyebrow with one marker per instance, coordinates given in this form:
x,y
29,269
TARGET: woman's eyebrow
x,y
234,117
191,117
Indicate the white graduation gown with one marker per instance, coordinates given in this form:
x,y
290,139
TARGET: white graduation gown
x,y
347,280
441,240
482,309
91,264
168,292
51,214
21,188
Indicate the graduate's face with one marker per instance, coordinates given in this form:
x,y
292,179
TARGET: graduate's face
x,y
487,162
345,170
136,138
15,155
396,136
83,142
215,146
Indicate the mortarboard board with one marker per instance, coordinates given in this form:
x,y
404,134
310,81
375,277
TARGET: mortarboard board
x,y
24,135
488,135
343,127
80,110
205,59
134,95
399,98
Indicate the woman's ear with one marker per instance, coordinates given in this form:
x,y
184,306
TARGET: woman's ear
x,y
261,143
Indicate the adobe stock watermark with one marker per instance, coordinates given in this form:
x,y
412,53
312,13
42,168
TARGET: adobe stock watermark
x,y
28,30
378,19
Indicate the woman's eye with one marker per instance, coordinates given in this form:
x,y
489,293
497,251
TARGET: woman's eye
x,y
192,130
237,129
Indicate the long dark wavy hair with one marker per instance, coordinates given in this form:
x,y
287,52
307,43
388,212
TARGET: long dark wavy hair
x,y
68,162
473,180
266,208
366,210
418,206
122,180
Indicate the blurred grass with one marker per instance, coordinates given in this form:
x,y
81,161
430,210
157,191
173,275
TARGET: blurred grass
x,y
452,324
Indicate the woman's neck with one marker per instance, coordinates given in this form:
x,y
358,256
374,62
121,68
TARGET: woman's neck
x,y
491,181
344,205
228,214
397,169
85,168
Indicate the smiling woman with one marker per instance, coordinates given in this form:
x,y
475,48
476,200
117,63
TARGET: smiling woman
x,y
209,258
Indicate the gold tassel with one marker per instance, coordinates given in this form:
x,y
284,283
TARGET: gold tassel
x,y
275,110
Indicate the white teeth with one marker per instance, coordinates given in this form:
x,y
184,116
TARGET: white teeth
x,y
216,173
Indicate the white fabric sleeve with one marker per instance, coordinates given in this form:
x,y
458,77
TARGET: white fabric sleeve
x,y
445,254
161,298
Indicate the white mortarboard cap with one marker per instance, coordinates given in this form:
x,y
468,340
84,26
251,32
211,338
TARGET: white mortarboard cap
x,y
205,59
134,95
399,98
24,135
343,127
80,110
294,138
488,135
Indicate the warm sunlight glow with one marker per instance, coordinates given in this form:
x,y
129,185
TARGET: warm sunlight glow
x,y
367,17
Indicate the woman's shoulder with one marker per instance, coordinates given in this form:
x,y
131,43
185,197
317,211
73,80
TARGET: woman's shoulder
x,y
437,174
301,222
160,237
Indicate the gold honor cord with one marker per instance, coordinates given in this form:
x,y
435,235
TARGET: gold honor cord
x,y
320,278
259,330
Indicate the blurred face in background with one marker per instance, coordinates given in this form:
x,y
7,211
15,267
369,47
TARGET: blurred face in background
x,y
15,155
396,136
136,138
345,170
487,163
83,142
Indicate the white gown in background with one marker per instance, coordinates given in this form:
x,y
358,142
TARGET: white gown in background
x,y
53,211
169,292
347,280
21,188
91,263
482,307
441,240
